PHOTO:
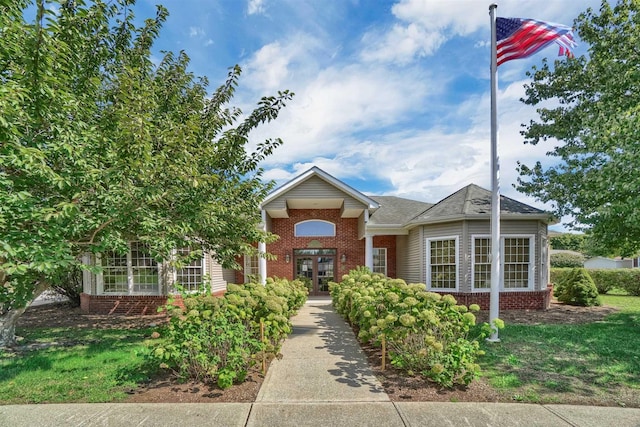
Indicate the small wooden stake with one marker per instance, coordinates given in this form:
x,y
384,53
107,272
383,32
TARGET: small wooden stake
x,y
264,353
384,352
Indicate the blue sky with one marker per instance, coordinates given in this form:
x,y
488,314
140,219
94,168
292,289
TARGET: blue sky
x,y
392,97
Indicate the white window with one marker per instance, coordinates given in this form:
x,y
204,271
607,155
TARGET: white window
x,y
133,273
315,228
517,266
442,263
517,262
380,260
251,268
190,276
481,266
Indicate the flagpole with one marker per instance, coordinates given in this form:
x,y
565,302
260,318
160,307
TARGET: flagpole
x,y
494,304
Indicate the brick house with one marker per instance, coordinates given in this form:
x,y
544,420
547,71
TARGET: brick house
x,y
327,228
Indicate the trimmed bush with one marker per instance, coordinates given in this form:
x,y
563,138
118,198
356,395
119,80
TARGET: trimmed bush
x,y
218,339
605,279
426,333
577,288
565,260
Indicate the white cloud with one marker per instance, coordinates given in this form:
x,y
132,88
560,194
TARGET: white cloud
x,y
255,7
401,44
196,32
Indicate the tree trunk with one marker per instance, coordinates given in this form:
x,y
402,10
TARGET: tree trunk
x,y
9,320
8,327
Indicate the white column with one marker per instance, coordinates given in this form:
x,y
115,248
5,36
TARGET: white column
x,y
368,251
368,243
262,249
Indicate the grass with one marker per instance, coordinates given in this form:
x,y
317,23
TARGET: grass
x,y
81,366
595,363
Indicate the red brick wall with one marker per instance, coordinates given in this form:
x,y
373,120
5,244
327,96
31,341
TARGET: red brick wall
x,y
388,242
536,300
127,305
345,241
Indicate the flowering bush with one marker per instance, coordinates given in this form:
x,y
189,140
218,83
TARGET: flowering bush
x,y
426,332
217,339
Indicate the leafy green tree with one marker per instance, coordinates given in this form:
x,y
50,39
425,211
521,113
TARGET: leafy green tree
x,y
568,242
99,146
591,105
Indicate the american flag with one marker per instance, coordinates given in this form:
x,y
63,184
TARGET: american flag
x,y
518,38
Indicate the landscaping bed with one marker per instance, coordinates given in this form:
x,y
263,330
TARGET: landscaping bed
x,y
398,386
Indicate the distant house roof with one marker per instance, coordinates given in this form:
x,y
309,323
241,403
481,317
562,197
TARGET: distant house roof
x,y
473,201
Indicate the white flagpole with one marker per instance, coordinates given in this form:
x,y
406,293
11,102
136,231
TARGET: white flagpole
x,y
494,304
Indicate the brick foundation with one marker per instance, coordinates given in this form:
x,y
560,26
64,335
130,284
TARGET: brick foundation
x,y
127,305
536,300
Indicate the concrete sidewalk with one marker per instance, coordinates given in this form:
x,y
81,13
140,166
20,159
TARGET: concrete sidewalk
x,y
323,379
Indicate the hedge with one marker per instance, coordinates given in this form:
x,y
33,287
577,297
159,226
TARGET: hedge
x,y
627,279
217,339
426,333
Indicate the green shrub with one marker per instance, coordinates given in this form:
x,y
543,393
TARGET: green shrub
x,y
217,339
67,281
606,279
426,333
577,288
565,260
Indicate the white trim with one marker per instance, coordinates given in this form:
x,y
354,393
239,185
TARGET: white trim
x,y
316,171
246,271
130,280
473,262
295,228
532,261
386,260
99,277
428,241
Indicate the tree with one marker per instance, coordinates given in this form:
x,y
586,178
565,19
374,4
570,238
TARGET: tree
x,y
99,147
594,113
568,242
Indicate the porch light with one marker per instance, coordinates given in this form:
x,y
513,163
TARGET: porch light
x,y
287,258
343,258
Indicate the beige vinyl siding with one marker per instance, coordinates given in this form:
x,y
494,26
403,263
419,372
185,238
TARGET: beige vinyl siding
x,y
218,283
229,275
402,250
411,264
314,188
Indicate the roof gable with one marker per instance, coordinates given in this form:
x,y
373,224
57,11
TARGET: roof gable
x,y
317,189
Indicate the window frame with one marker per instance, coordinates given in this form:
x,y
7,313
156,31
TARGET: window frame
x,y
131,283
531,264
296,234
203,272
473,262
248,266
531,282
386,260
456,240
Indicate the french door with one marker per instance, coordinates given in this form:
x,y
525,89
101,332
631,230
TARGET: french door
x,y
315,267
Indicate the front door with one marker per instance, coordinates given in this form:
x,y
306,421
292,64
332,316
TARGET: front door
x,y
315,267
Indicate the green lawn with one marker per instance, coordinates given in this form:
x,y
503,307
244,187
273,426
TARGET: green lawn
x,y
595,363
82,366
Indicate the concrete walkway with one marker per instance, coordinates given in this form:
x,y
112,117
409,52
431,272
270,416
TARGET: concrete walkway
x,y
323,379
